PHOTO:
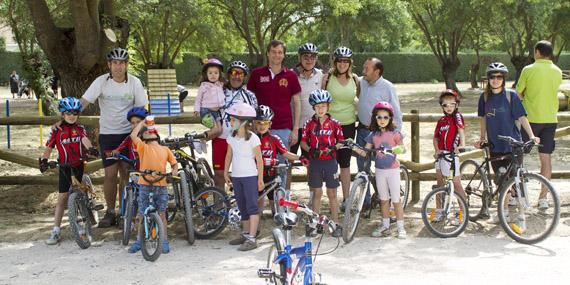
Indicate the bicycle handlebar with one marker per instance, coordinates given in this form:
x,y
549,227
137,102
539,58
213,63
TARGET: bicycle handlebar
x,y
516,143
296,206
120,156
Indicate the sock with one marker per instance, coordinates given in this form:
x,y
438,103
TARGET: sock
x,y
56,230
250,237
400,224
386,222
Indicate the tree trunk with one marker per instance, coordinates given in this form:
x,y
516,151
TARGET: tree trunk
x,y
520,61
473,72
449,70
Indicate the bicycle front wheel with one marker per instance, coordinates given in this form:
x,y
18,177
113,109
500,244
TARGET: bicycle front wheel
x,y
537,210
444,215
187,205
353,209
474,182
404,186
79,220
210,212
152,235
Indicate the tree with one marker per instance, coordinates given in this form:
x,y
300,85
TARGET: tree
x,y
445,25
559,25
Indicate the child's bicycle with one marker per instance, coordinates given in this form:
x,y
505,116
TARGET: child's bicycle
x,y
81,207
360,186
152,233
444,212
294,265
533,208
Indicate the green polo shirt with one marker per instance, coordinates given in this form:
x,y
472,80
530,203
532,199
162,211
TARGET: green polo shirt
x,y
540,82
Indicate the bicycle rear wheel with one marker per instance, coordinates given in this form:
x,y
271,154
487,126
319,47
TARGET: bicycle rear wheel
x,y
353,209
173,201
529,221
210,215
444,215
79,220
130,213
404,186
187,205
151,240
474,182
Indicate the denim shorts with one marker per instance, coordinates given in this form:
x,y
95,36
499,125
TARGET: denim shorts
x,y
160,197
215,114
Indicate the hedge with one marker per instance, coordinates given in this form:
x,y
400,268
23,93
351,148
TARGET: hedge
x,y
9,61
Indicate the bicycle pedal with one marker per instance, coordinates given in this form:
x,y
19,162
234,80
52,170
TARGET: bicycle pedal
x,y
265,273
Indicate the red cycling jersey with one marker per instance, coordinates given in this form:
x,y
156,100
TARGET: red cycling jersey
x,y
447,131
323,136
271,146
132,154
68,143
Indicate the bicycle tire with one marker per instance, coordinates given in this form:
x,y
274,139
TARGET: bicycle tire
x,y
429,213
156,228
353,208
477,190
187,205
277,248
78,216
532,215
170,213
404,186
209,172
210,213
130,212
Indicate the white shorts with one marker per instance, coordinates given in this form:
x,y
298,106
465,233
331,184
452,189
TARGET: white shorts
x,y
444,166
388,184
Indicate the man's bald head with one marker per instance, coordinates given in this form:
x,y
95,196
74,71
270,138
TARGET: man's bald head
x,y
373,69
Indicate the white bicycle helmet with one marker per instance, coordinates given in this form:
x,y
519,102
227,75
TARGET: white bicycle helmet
x,y
238,64
118,54
308,48
497,67
264,113
342,52
319,96
242,111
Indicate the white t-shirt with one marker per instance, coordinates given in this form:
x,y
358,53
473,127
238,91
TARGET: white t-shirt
x,y
243,157
308,85
115,101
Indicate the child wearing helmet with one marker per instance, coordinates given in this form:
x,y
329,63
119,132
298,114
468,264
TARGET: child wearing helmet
x,y
153,157
68,139
134,116
384,136
448,136
271,146
210,97
321,138
244,156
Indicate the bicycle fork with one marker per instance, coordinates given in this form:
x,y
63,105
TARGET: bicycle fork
x,y
521,191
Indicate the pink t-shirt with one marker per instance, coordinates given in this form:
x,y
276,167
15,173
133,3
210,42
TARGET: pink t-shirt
x,y
210,95
388,140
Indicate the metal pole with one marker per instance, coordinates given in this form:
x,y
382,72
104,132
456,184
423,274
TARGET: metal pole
x,y
8,126
169,125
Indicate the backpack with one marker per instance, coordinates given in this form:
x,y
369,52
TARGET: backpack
x,y
508,94
354,77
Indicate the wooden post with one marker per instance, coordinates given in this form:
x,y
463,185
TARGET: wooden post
x,y
415,153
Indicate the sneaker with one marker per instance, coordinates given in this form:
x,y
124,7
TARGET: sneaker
x,y
542,204
53,238
338,231
512,201
248,245
239,240
165,247
108,220
402,234
135,247
381,232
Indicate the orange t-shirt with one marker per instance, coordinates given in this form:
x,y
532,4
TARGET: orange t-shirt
x,y
153,157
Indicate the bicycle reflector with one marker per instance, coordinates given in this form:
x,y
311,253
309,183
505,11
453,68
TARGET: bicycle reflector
x,y
290,204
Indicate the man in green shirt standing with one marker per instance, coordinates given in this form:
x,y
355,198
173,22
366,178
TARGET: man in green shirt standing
x,y
538,89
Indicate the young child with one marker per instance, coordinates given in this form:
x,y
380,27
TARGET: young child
x,y
210,97
153,157
244,156
271,145
135,116
384,135
321,137
68,140
449,135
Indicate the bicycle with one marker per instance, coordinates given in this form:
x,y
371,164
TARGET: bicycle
x,y
281,266
81,206
524,220
443,211
360,186
153,232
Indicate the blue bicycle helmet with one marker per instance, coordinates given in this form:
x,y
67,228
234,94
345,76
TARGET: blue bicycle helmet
x,y
140,112
319,96
69,104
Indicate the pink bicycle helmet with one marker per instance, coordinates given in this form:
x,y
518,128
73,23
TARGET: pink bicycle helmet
x,y
242,111
213,62
384,106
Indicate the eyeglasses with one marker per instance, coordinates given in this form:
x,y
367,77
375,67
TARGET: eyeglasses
x,y
309,57
343,60
262,123
449,105
498,77
69,113
383,118
237,72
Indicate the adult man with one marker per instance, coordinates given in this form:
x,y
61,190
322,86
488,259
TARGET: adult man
x,y
373,89
538,89
117,93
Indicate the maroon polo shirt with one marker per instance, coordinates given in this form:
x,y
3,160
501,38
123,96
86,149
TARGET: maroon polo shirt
x,y
275,93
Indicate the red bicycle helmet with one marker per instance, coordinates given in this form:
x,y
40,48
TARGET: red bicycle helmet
x,y
384,106
451,92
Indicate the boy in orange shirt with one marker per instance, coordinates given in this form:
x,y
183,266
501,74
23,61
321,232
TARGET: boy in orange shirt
x,y
154,157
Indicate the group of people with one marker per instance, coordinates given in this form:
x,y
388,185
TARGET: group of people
x,y
255,126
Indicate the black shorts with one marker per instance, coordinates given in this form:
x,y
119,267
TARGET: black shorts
x,y
65,177
267,179
496,164
108,143
182,96
323,171
544,131
343,155
294,148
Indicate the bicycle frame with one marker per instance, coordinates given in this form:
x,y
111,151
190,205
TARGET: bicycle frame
x,y
147,211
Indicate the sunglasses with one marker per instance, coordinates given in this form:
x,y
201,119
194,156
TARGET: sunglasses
x,y
262,123
237,72
383,118
69,113
343,60
449,105
309,57
496,77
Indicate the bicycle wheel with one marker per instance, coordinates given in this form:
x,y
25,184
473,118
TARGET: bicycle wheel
x,y
353,209
444,215
130,213
79,221
206,176
151,237
474,182
187,205
529,222
404,186
210,214
173,200
279,268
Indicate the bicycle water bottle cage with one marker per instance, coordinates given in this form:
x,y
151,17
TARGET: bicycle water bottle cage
x,y
287,219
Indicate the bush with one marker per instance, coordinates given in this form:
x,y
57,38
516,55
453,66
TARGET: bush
x,y
9,61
